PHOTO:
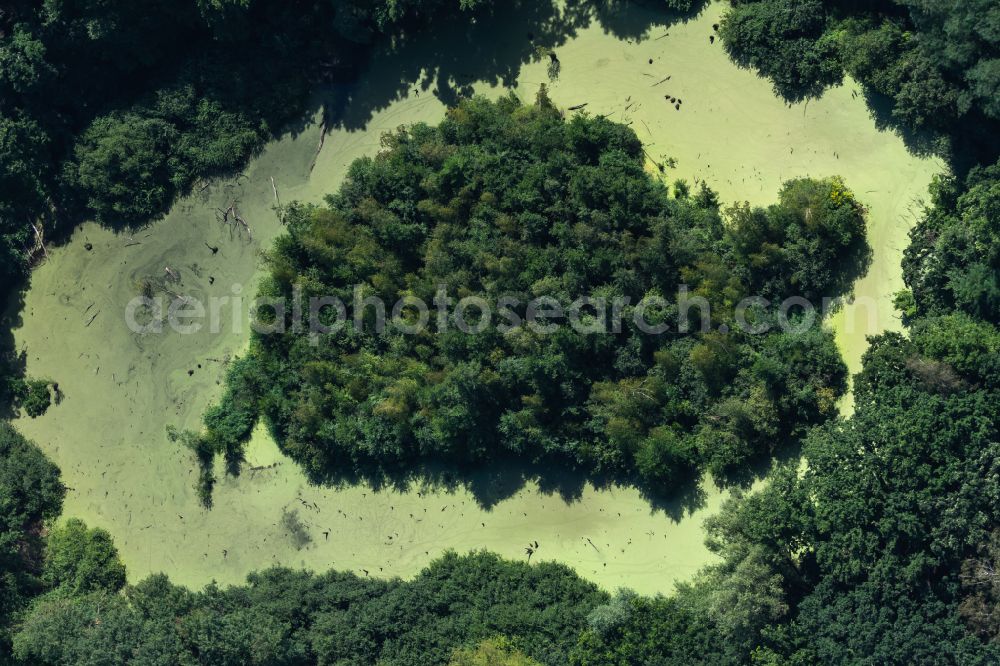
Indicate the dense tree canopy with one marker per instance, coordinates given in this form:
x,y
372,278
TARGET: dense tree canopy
x,y
22,165
509,201
786,39
30,493
953,261
454,611
80,560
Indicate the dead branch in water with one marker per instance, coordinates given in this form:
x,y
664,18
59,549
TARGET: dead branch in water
x,y
322,139
650,158
277,203
231,218
39,242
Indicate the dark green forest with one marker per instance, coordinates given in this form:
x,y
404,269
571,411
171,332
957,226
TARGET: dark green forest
x,y
883,548
469,204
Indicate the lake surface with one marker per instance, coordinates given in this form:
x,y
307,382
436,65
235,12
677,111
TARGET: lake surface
x,y
122,389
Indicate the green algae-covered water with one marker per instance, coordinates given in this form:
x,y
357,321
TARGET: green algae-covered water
x,y
123,389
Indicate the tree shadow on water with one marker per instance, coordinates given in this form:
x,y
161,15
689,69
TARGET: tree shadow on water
x,y
973,139
636,19
490,49
493,482
921,143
